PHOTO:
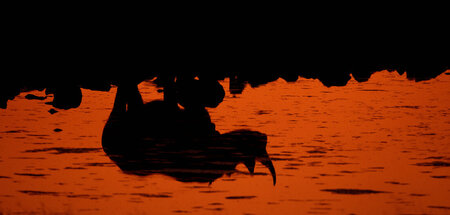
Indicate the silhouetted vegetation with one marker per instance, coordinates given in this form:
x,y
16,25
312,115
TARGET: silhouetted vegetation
x,y
67,94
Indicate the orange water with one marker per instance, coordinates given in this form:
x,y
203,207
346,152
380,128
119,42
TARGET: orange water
x,y
364,136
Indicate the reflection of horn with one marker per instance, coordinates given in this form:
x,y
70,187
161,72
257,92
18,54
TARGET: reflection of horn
x,y
265,160
250,164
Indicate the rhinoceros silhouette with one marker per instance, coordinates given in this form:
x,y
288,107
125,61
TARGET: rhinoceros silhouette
x,y
159,137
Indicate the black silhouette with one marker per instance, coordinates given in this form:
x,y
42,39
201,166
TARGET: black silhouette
x,y
67,92
65,96
159,137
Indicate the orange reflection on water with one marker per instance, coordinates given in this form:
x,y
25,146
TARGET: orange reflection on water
x,y
388,135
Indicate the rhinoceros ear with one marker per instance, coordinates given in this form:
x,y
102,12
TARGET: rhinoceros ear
x,y
265,160
250,164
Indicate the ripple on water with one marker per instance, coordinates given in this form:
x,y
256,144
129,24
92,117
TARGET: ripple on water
x,y
75,168
434,164
216,204
31,174
96,164
62,150
41,143
418,194
15,131
148,195
239,197
63,194
352,191
180,211
395,183
440,176
35,193
439,207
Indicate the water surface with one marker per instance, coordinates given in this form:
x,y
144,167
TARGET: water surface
x,y
378,147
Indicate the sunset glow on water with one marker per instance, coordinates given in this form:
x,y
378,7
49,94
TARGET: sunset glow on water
x,y
377,147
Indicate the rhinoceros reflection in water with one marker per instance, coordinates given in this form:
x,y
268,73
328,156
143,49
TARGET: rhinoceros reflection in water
x,y
159,137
